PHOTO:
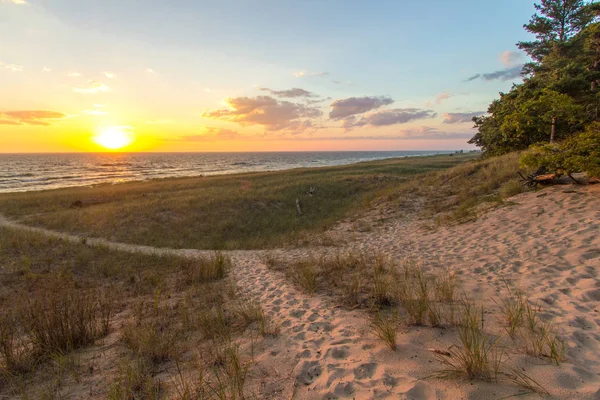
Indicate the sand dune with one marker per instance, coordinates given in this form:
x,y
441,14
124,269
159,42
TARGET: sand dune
x,y
546,243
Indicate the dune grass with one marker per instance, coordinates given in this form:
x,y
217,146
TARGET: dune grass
x,y
459,194
254,210
57,297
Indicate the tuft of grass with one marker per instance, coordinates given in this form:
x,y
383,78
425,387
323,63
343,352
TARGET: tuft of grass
x,y
445,286
306,276
134,381
414,292
540,337
477,356
58,319
385,329
205,269
513,309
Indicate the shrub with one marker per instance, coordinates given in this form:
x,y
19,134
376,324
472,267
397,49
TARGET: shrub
x,y
579,153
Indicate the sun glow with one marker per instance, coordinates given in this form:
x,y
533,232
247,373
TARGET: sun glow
x,y
114,137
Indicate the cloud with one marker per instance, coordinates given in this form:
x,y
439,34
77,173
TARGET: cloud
x,y
304,74
11,67
423,133
9,122
211,134
389,117
503,74
74,74
18,2
273,114
95,112
150,71
290,93
456,118
92,88
342,82
109,75
30,117
442,97
46,69
511,58
357,105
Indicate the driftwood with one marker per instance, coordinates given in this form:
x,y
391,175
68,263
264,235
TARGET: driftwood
x,y
535,179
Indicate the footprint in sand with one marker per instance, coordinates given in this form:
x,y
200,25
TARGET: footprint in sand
x,y
309,371
365,371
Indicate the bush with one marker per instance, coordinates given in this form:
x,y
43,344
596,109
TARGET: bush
x,y
580,153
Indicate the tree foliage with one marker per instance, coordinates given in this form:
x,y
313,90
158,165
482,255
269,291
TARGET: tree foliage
x,y
562,83
579,153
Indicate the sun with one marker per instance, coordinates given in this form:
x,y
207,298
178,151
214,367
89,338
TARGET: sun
x,y
114,137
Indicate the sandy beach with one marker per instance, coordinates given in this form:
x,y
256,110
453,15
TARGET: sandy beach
x,y
545,243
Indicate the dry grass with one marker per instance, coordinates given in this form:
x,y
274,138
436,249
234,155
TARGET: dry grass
x,y
481,356
523,322
255,210
385,328
459,194
57,297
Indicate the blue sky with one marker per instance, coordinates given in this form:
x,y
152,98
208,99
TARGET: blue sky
x,y
180,61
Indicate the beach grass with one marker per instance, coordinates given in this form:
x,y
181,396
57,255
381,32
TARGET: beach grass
x,y
243,211
61,298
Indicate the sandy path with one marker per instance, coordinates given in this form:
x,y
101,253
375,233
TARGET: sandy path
x,y
323,351
546,243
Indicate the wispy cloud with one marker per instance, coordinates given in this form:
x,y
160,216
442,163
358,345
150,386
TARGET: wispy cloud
x,y
290,93
211,134
95,111
511,58
344,108
456,118
503,74
389,117
150,71
18,2
305,74
92,88
422,133
74,74
11,67
267,111
442,97
46,69
109,75
29,117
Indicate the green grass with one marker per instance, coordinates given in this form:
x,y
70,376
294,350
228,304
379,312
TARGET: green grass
x,y
254,210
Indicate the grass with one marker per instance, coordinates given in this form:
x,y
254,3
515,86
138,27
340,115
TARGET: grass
x,y
523,322
459,194
384,328
245,211
57,297
480,356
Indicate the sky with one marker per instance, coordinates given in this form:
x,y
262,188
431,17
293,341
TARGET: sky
x,y
252,75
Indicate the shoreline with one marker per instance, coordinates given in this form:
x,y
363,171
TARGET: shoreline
x,y
225,172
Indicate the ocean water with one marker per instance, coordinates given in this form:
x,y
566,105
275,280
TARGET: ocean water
x,y
25,172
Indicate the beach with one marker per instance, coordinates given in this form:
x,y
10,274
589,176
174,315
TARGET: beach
x,y
542,243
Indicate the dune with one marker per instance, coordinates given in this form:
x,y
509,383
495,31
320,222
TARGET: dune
x,y
545,243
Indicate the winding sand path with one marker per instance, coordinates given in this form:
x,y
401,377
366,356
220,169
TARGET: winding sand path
x,y
546,243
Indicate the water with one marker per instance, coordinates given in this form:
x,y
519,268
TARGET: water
x,y
24,172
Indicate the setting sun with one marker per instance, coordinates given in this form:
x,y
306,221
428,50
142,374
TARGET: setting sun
x,y
114,137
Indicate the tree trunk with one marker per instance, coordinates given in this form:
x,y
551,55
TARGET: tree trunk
x,y
553,132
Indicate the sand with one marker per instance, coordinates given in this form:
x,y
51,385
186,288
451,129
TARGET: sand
x,y
546,243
